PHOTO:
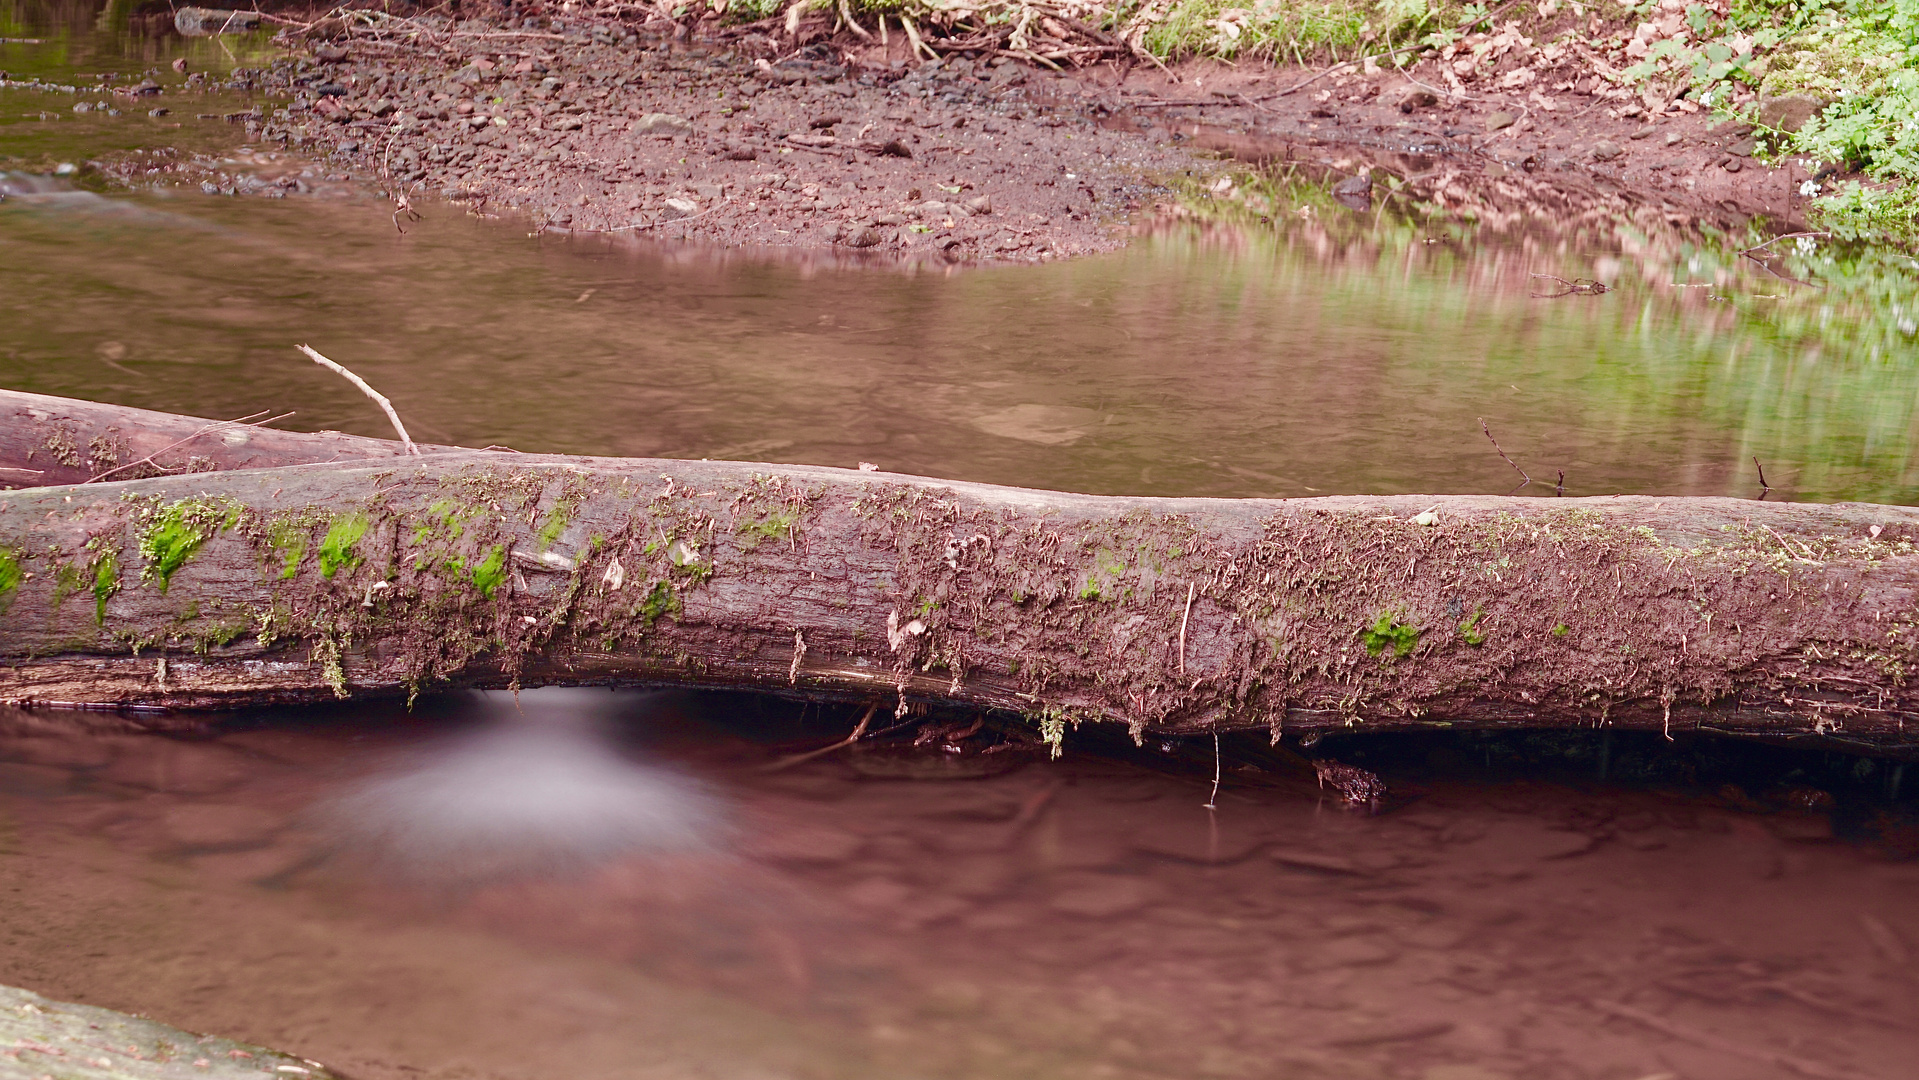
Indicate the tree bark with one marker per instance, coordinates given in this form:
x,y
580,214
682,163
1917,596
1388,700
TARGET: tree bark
x,y
393,575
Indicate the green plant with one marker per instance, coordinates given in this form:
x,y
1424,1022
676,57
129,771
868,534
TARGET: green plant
x,y
1387,632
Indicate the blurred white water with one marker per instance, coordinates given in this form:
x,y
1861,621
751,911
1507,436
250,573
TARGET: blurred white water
x,y
542,787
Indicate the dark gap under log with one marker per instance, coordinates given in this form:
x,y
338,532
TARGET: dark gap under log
x,y
298,568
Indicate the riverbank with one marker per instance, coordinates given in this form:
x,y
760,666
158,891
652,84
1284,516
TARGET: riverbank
x,y
716,134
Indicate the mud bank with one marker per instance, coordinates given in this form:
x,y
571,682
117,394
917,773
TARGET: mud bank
x,y
723,135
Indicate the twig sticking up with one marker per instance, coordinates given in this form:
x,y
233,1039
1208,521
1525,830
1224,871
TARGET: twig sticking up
x,y
1502,453
252,420
1560,488
378,398
1764,488
1575,287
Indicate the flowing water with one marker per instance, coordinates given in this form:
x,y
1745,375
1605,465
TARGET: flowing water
x,y
596,885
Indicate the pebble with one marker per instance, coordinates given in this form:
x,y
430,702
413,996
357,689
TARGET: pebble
x,y
661,124
1606,150
1499,121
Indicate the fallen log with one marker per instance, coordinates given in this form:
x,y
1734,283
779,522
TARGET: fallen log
x,y
391,575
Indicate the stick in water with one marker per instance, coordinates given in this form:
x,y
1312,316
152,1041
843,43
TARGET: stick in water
x,y
378,398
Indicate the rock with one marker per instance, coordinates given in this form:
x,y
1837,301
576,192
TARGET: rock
x,y
1743,148
864,238
49,1037
1790,112
161,111
661,124
1500,121
1732,164
895,148
568,123
676,208
1418,99
980,205
180,65
326,54
146,87
1643,132
1606,150
1355,192
738,152
202,22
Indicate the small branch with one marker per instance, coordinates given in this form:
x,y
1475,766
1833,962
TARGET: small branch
x,y
1763,486
244,421
858,730
1781,236
1191,588
1577,286
1502,453
378,398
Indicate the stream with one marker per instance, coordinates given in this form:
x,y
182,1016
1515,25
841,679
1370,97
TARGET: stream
x,y
587,884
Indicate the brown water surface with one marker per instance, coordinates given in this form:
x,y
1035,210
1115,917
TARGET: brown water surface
x,y
1085,918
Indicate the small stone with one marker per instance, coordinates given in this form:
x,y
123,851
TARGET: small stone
x,y
1500,121
1643,132
1790,112
161,111
1418,99
980,205
568,123
896,148
1732,164
1606,150
864,238
677,208
1673,138
661,124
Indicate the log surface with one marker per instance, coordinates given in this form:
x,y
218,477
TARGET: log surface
x,y
395,575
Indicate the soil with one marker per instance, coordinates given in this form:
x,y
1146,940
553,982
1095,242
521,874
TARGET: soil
x,y
727,139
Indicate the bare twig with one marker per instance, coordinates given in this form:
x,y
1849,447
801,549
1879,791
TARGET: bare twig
x,y
1212,801
1781,236
1191,589
378,398
858,730
244,421
1763,486
1575,287
1502,453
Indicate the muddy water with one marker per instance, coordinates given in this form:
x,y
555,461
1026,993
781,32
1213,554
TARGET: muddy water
x,y
1332,352
613,886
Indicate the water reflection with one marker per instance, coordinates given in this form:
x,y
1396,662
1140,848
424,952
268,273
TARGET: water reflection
x,y
542,787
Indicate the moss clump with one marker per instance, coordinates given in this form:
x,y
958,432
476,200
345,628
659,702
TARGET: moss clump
x,y
659,601
1387,632
490,574
106,582
170,535
336,549
1470,629
777,525
10,577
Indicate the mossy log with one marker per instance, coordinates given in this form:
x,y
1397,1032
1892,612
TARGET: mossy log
x,y
399,575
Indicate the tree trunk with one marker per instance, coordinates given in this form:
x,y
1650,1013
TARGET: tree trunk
x,y
393,575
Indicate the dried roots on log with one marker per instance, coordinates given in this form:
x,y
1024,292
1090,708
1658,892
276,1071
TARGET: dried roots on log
x,y
391,575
